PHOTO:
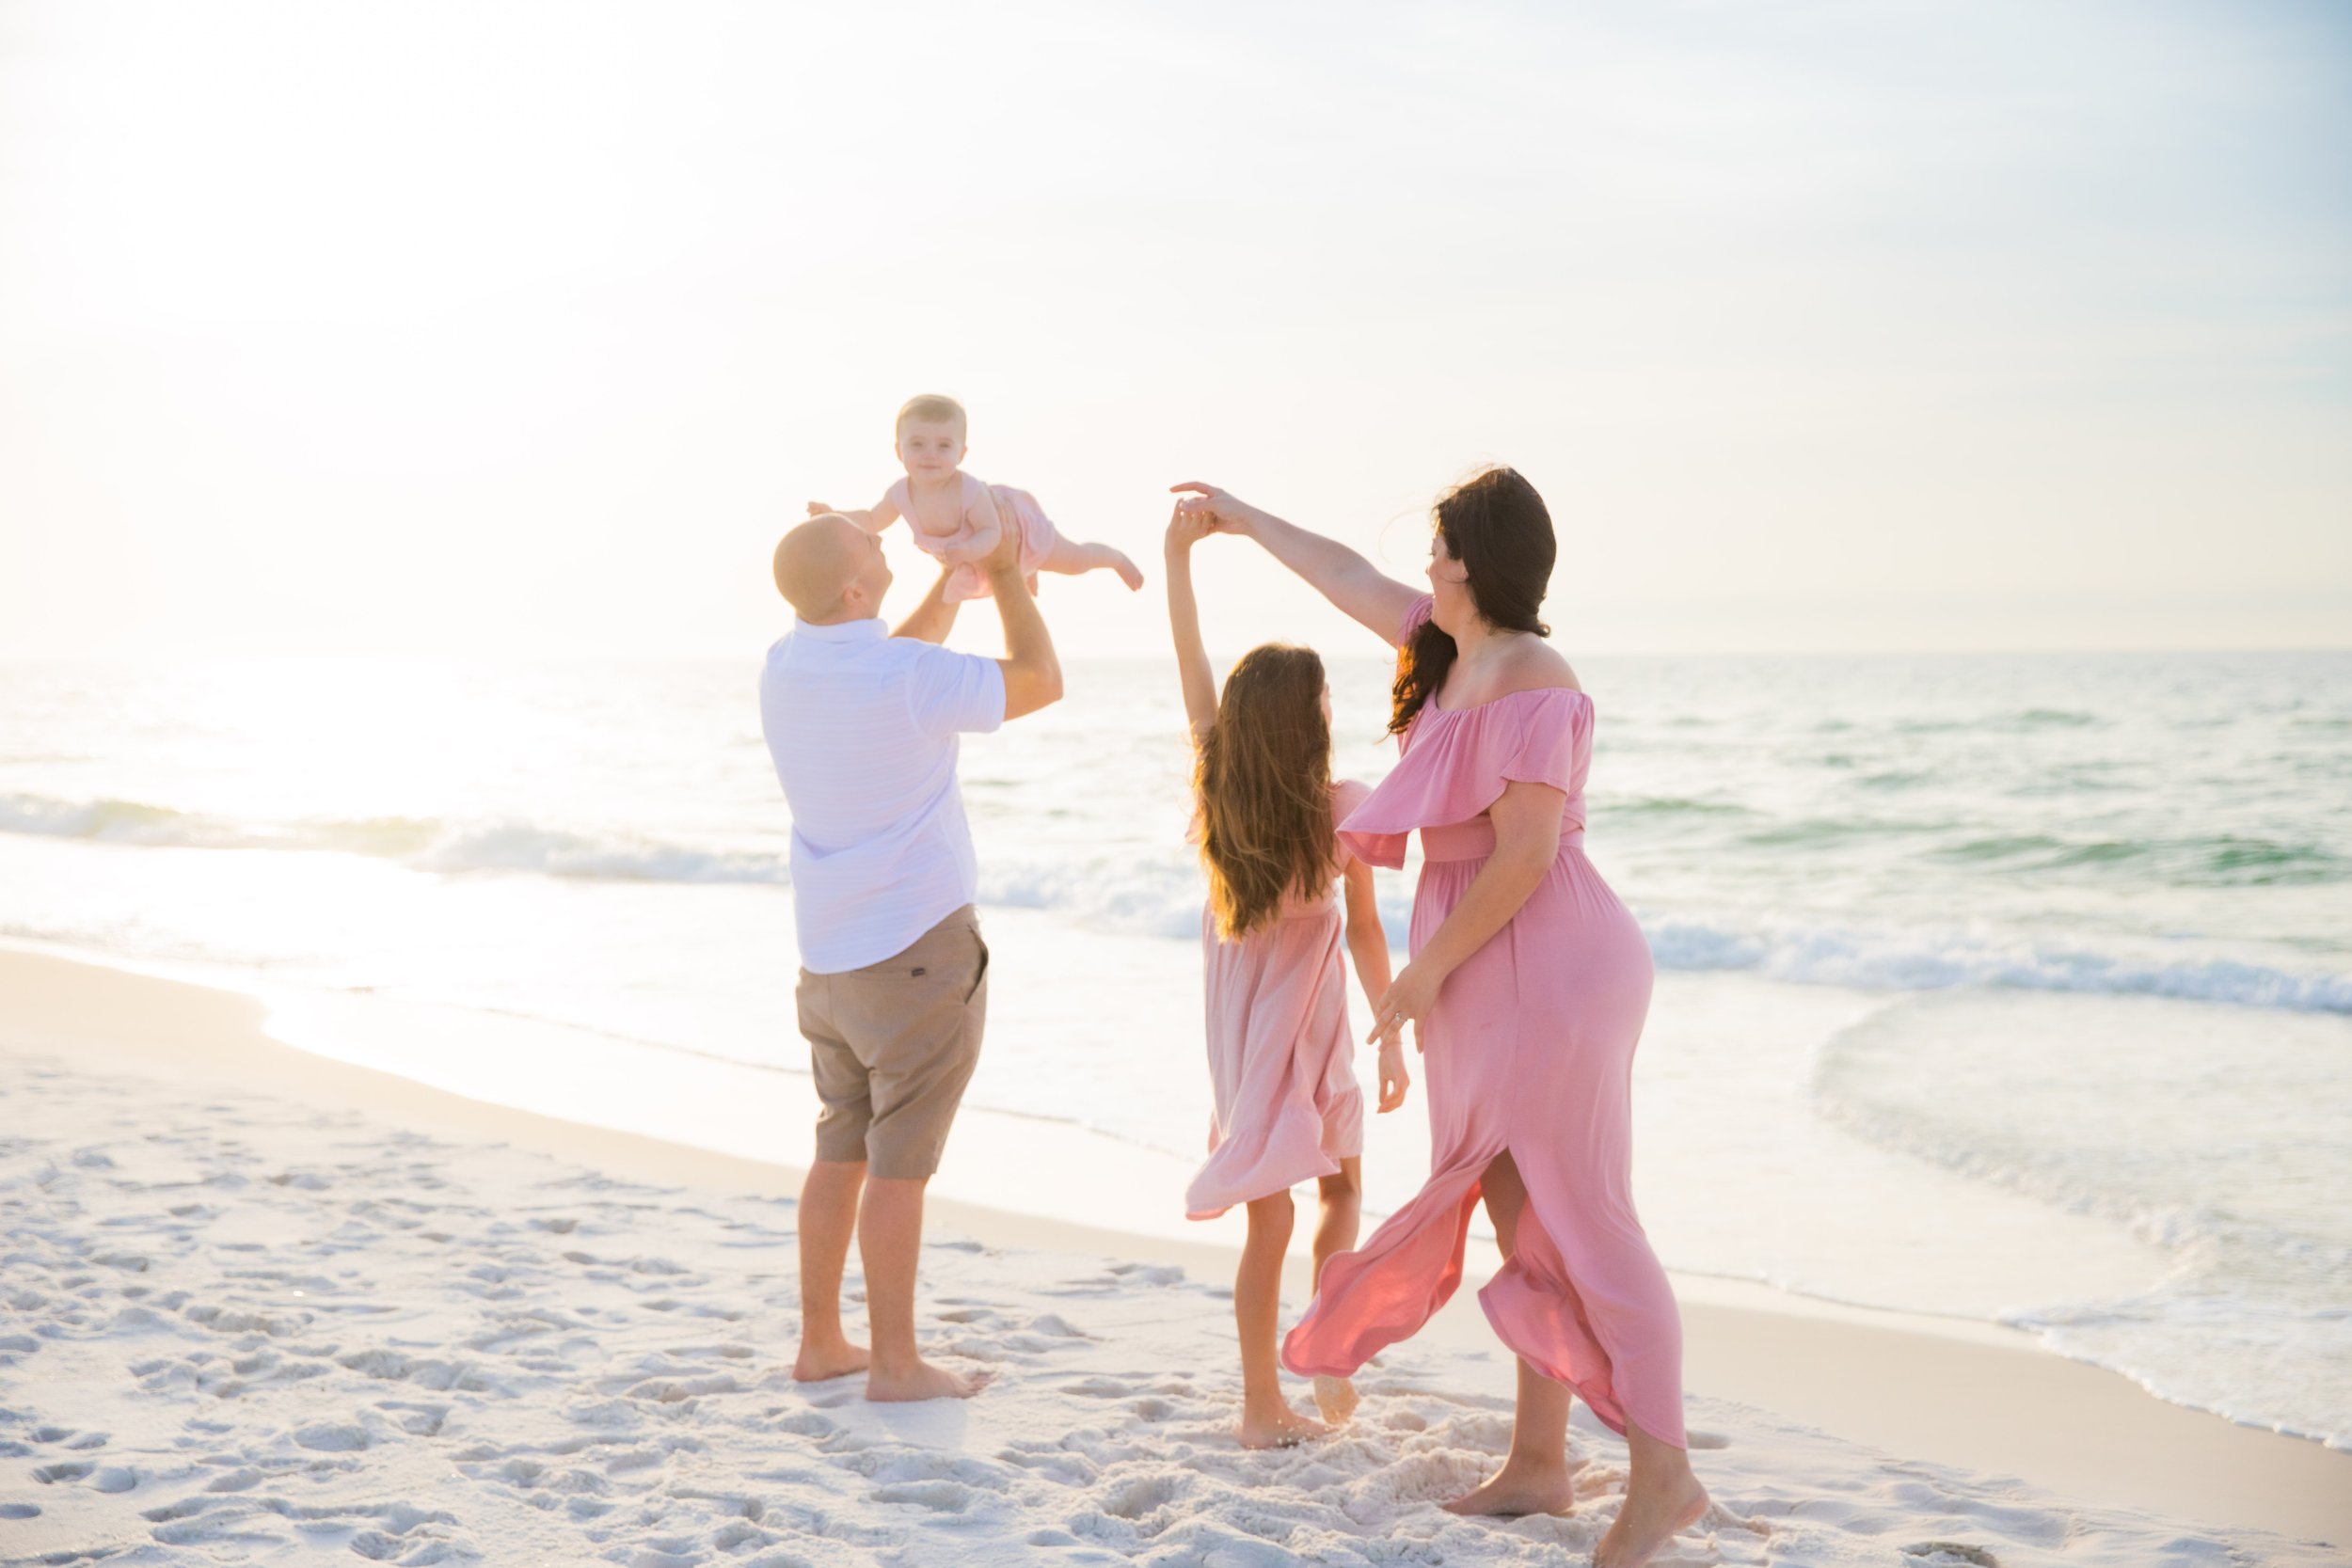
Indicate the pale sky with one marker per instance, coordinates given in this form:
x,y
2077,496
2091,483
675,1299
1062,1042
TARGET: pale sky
x,y
499,329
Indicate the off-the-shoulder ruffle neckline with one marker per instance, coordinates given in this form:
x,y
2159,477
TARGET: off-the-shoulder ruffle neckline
x,y
1431,705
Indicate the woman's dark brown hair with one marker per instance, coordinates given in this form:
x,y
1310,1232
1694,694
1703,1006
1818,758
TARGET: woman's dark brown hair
x,y
1497,526
1262,783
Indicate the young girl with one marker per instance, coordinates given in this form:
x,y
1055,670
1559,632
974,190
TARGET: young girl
x,y
1287,1106
958,519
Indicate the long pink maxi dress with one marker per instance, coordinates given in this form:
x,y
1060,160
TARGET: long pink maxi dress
x,y
1280,1048
1528,1049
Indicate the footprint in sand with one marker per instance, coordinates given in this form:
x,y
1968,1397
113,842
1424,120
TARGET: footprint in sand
x,y
1145,1495
1100,1388
333,1437
944,1497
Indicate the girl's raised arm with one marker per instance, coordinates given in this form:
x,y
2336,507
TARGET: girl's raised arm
x,y
1330,568
1183,625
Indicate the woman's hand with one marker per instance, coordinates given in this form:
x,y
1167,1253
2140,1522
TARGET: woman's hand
x,y
1408,999
1394,1079
1225,511
1188,529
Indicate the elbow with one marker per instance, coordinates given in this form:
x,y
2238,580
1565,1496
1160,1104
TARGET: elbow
x,y
1532,858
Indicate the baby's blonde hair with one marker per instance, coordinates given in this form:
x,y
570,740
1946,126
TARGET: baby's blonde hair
x,y
933,409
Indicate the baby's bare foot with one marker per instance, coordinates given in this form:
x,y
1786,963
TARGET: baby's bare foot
x,y
1519,1490
924,1380
817,1363
1127,570
1278,1428
1337,1399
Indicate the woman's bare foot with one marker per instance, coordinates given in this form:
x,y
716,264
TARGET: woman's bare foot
x,y
818,1363
1337,1399
1278,1428
1520,1489
1647,1520
923,1380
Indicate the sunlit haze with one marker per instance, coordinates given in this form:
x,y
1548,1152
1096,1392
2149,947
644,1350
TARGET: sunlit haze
x,y
512,329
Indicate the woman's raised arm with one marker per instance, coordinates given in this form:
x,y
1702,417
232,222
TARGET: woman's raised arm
x,y
1347,579
1183,625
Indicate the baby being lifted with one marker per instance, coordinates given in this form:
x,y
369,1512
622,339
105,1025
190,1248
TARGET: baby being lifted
x,y
959,519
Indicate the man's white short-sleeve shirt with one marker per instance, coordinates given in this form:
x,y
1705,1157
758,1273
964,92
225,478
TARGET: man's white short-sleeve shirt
x,y
862,728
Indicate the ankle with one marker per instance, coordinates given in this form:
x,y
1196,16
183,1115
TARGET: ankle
x,y
894,1363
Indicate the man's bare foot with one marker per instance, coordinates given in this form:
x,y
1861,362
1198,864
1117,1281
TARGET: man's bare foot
x,y
818,1363
1648,1521
1128,572
1278,1428
1337,1399
924,1380
1518,1490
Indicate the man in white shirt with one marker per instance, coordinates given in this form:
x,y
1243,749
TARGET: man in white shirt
x,y
894,977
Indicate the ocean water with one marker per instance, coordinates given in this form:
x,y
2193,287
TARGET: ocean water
x,y
2005,987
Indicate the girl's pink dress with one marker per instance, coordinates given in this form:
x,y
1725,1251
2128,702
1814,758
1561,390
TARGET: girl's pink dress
x,y
1528,1050
1287,1106
1015,509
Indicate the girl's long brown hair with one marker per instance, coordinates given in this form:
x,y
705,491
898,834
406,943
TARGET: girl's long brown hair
x,y
1497,526
1262,783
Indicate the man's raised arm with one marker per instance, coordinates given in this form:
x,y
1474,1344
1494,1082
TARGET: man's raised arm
x,y
1032,673
933,619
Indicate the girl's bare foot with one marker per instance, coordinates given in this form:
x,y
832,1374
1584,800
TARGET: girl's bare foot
x,y
1278,1428
1337,1399
924,1380
818,1363
1520,1489
1647,1520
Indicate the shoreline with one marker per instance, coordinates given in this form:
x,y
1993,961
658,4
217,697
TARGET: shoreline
x,y
1870,1377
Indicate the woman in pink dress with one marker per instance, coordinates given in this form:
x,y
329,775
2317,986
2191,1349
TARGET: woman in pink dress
x,y
1526,992
1265,813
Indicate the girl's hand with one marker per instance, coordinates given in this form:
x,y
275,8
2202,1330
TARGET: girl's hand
x,y
1188,529
1409,997
1394,1079
1226,512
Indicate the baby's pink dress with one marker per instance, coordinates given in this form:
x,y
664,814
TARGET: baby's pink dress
x,y
1287,1106
1016,509
1529,1048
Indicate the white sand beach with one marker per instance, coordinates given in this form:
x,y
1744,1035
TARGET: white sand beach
x,y
262,1307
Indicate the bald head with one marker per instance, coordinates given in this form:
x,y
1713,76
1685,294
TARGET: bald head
x,y
818,563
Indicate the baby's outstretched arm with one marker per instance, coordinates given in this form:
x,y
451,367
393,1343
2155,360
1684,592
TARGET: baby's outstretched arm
x,y
873,520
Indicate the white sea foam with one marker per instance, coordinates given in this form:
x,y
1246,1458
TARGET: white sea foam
x,y
1944,957
1160,895
2231,1156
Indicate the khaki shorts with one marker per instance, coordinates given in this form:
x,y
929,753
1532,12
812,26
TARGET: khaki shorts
x,y
892,1045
